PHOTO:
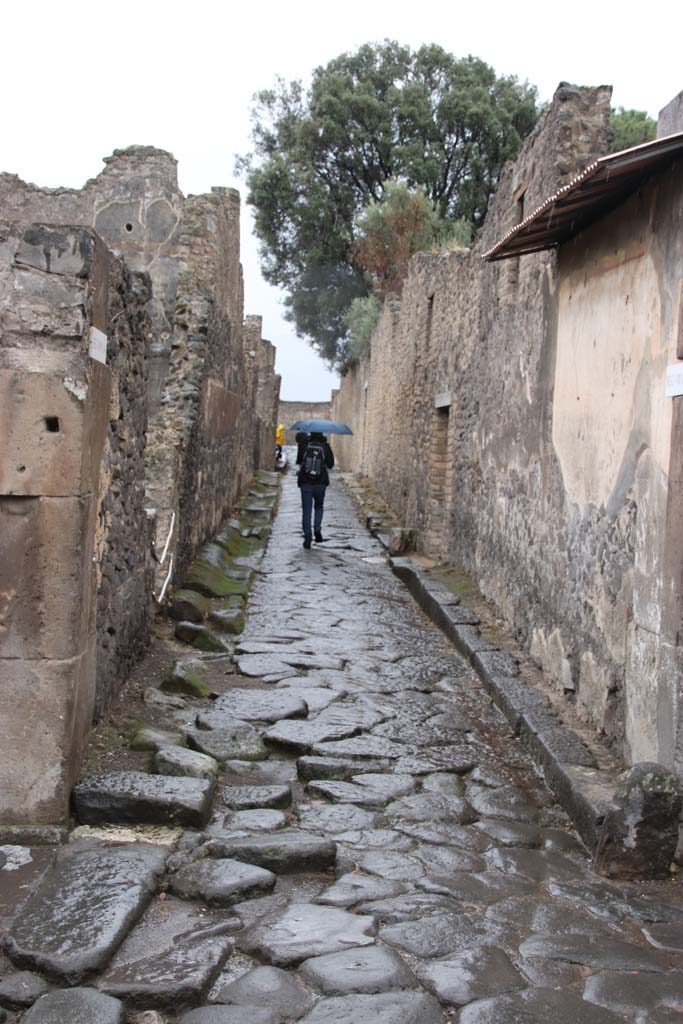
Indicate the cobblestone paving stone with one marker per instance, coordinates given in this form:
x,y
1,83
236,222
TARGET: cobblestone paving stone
x,y
380,849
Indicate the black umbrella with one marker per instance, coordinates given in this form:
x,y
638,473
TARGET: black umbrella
x,y
321,427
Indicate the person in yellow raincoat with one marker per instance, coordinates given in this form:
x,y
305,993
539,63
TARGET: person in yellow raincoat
x,y
279,440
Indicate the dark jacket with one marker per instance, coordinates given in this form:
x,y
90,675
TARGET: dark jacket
x,y
329,462
301,442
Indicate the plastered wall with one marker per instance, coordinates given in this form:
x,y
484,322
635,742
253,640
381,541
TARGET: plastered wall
x,y
549,382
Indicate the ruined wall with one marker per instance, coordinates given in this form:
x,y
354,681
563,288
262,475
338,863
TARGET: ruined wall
x,y
462,374
124,531
70,426
136,207
267,398
290,412
204,433
670,118
200,450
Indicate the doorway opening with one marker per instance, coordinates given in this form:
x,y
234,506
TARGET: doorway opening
x,y
440,484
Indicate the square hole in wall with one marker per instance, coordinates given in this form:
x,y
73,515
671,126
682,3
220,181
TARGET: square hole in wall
x,y
52,424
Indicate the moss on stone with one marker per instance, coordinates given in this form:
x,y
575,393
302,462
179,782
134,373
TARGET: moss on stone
x,y
235,545
214,582
228,620
184,677
189,606
267,476
208,641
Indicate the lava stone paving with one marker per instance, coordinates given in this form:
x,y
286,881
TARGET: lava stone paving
x,y
346,832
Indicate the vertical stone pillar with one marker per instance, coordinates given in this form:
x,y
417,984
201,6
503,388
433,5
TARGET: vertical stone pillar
x,y
54,412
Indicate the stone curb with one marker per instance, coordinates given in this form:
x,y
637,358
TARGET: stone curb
x,y
567,764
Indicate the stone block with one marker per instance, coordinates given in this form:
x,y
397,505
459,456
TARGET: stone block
x,y
70,251
54,423
121,797
186,677
46,576
41,745
221,882
306,930
640,830
171,957
177,760
283,852
76,1004
62,929
189,606
21,989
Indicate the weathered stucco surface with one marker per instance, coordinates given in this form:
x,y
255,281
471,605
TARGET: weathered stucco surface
x,y
540,387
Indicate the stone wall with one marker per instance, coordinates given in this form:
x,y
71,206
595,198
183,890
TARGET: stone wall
x,y
290,412
205,435
71,436
515,414
461,377
190,414
124,533
262,353
202,444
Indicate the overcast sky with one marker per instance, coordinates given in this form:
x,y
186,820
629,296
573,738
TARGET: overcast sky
x,y
81,79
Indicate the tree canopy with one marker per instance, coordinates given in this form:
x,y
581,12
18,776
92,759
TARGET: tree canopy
x,y
631,128
321,156
390,232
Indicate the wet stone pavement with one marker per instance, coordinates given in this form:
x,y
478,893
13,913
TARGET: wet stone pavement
x,y
376,847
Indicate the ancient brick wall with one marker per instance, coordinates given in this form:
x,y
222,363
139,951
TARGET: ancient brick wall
x,y
205,434
465,364
189,415
205,423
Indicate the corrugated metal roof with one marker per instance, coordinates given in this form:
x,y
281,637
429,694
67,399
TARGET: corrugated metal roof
x,y
590,195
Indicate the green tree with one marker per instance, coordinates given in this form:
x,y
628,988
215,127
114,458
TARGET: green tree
x,y
319,157
360,318
631,128
390,232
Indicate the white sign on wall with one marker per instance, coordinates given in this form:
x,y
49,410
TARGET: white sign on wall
x,y
674,380
98,345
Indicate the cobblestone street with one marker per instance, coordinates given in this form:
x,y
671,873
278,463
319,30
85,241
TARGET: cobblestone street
x,y
380,849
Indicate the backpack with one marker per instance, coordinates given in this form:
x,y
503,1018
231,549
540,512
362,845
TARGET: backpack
x,y
313,465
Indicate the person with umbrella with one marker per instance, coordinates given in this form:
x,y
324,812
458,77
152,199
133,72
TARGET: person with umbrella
x,y
313,477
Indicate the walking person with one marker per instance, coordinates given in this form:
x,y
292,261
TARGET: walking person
x,y
279,440
313,480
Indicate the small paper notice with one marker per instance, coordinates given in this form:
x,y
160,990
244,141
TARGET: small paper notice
x,y
98,345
